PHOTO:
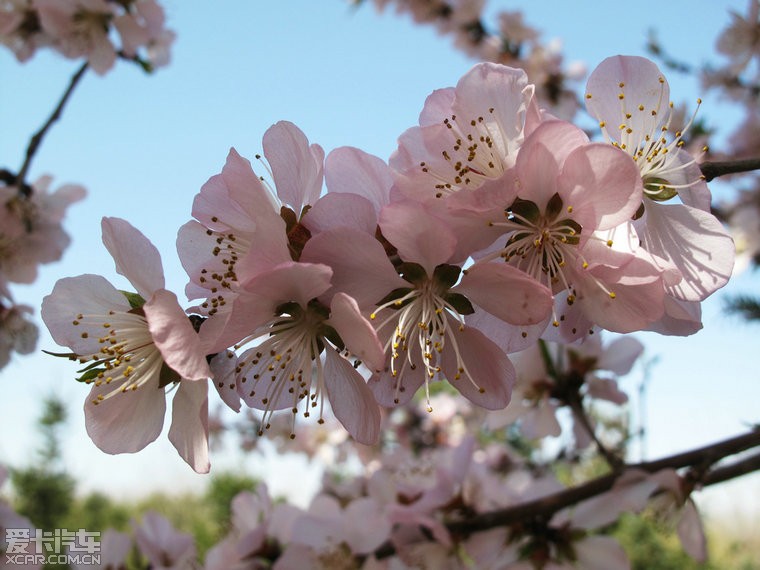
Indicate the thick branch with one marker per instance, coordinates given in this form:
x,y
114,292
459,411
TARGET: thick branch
x,y
36,139
547,506
711,170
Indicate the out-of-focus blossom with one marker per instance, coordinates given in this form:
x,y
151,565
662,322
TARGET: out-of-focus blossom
x,y
578,373
87,29
31,231
17,333
165,547
740,42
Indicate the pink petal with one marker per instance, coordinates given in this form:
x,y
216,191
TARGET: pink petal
x,y
681,318
383,385
507,293
638,302
541,158
695,242
365,525
223,372
351,170
620,355
85,294
175,336
510,338
356,331
290,281
128,421
360,265
341,210
602,185
351,400
419,236
691,533
601,553
437,106
487,365
296,166
189,430
136,258
505,90
642,85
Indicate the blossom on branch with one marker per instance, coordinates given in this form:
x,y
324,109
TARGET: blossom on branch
x,y
134,346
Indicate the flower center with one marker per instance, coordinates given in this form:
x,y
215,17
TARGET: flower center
x,y
128,358
647,135
278,371
476,153
425,318
540,243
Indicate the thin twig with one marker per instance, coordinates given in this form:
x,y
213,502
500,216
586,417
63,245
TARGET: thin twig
x,y
615,462
711,170
36,139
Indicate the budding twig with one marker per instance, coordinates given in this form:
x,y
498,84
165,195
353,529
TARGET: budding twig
x,y
36,139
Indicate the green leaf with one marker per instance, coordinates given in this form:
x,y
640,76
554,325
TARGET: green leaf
x,y
135,300
90,374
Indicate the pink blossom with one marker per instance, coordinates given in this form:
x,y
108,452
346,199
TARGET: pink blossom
x,y
566,225
236,209
629,97
142,25
79,28
20,29
329,534
419,308
133,345
583,371
165,547
279,309
467,135
30,229
17,332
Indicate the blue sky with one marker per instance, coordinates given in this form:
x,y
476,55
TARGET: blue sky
x,y
143,146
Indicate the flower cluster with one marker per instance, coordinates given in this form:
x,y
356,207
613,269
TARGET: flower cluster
x,y
88,29
31,234
493,225
511,41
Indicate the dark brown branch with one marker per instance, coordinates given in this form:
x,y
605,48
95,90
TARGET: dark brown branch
x,y
737,469
711,170
36,139
545,507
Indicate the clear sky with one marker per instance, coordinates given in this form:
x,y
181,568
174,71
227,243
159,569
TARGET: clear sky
x,y
143,146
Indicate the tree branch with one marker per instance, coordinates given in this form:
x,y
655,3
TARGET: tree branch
x,y
36,139
711,170
546,507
